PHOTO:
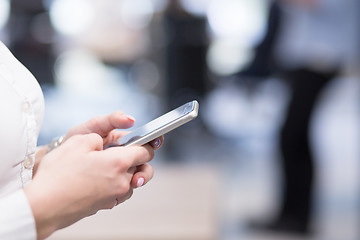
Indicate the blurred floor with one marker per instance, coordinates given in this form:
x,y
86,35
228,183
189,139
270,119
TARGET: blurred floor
x,y
246,164
176,205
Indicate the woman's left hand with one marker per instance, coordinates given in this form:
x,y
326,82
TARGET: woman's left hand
x,y
105,126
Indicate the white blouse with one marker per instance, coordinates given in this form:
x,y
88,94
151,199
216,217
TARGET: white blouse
x,y
22,110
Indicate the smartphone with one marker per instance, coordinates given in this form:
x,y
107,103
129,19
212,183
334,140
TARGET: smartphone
x,y
160,125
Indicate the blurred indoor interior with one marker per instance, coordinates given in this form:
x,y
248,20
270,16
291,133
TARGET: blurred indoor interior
x,y
219,173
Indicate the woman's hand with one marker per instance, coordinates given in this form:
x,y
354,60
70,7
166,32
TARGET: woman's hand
x,y
79,178
105,126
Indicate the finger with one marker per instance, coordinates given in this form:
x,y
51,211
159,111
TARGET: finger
x,y
102,125
132,170
114,135
157,143
116,200
92,141
145,154
127,157
144,173
127,196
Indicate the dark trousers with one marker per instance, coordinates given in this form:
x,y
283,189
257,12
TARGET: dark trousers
x,y
297,157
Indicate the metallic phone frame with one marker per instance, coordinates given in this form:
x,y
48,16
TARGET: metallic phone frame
x,y
165,128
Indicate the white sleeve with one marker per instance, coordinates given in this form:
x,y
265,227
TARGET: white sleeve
x,y
16,218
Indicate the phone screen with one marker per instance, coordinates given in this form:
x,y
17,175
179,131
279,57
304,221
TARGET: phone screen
x,y
161,125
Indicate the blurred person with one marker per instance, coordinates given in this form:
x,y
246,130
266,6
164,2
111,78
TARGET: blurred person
x,y
316,43
46,188
312,42
29,20
185,67
186,48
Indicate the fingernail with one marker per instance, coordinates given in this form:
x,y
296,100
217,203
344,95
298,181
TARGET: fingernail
x,y
157,143
131,118
140,182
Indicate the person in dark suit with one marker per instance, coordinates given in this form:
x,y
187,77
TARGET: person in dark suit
x,y
302,47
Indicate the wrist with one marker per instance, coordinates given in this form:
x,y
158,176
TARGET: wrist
x,y
42,212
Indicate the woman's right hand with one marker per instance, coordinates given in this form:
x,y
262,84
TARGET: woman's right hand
x,y
79,178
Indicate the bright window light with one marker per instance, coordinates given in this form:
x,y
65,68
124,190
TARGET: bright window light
x,y
242,20
136,14
72,17
227,57
4,12
198,7
159,5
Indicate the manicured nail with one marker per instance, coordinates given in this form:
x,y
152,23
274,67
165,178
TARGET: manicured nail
x,y
140,182
157,143
131,118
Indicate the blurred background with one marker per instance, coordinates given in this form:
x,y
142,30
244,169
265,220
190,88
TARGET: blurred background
x,y
221,176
